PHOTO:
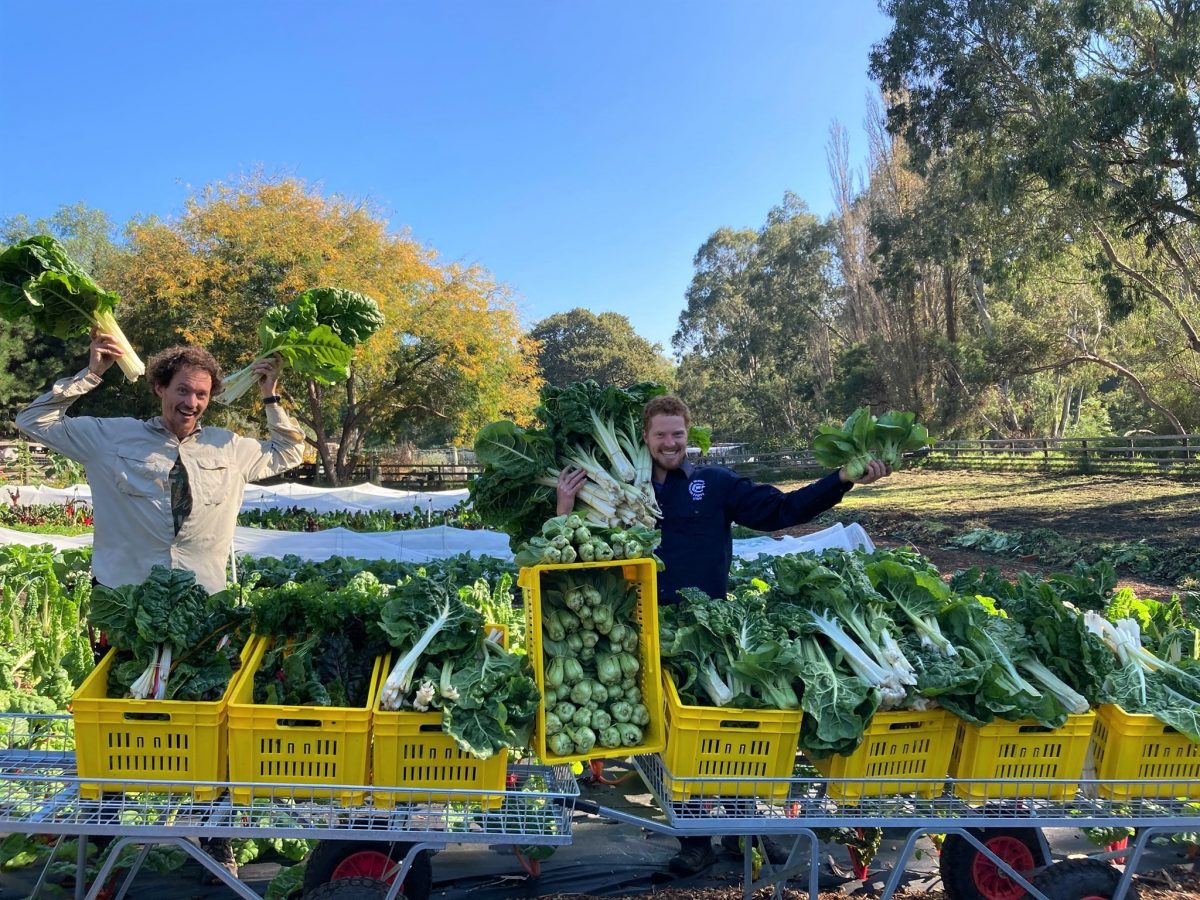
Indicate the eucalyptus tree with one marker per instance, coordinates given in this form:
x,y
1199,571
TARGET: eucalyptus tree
x,y
756,321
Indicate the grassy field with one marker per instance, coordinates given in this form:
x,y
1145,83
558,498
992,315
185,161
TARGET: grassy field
x,y
1149,527
1092,506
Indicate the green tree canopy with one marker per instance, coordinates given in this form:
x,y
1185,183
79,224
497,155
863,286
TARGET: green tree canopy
x,y
578,344
450,357
754,328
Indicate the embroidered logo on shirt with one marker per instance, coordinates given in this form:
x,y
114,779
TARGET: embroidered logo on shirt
x,y
696,489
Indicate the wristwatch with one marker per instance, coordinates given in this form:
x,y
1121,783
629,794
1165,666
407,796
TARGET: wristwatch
x,y
274,398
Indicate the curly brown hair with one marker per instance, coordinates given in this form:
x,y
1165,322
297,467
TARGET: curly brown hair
x,y
665,406
163,366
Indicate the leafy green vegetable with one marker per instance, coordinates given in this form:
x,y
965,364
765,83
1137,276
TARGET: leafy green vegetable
x,y
314,335
730,649
44,649
586,426
324,642
863,437
1147,684
487,695
183,641
591,645
41,283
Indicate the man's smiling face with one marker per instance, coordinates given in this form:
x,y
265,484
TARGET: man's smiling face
x,y
666,437
184,400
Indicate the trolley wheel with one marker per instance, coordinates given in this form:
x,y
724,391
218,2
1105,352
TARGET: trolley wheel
x,y
1081,879
968,874
332,861
350,889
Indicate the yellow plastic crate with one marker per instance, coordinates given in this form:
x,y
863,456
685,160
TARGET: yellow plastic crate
x,y
410,751
710,742
1131,747
159,740
1024,754
898,745
296,745
644,574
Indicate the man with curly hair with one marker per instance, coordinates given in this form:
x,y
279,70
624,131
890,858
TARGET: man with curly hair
x,y
165,491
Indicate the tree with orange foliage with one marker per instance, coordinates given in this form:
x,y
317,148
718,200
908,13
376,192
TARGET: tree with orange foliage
x,y
450,357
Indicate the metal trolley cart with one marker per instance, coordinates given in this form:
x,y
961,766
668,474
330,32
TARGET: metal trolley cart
x,y
989,844
995,849
40,794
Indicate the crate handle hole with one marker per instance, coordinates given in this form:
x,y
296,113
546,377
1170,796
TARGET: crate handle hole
x,y
1034,729
299,723
429,727
904,726
147,717
741,725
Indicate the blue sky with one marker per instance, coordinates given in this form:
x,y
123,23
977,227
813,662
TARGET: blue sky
x,y
581,152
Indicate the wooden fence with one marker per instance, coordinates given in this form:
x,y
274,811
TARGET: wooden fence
x,y
1137,454
1134,455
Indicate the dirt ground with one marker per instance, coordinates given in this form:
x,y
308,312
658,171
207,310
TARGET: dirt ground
x,y
1175,883
1093,508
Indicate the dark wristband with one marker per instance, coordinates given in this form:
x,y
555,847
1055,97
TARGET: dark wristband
x,y
274,398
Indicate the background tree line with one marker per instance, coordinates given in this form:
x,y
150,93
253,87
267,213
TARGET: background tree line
x,y
1018,257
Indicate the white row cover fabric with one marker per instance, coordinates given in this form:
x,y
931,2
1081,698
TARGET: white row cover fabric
x,y
414,545
356,498
417,545
424,544
839,536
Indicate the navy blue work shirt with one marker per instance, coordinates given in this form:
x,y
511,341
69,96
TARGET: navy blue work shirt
x,y
699,507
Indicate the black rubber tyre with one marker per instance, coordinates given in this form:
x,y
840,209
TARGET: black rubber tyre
x,y
359,861
350,889
1082,879
968,874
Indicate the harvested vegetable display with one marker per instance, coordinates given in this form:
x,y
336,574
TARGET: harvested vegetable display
x,y
323,642
852,633
585,426
445,661
41,283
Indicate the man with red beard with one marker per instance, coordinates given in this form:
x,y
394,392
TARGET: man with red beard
x,y
700,505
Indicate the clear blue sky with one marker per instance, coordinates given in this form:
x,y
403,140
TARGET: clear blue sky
x,y
580,151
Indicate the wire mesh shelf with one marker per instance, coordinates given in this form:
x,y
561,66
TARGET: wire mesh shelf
x,y
786,804
39,792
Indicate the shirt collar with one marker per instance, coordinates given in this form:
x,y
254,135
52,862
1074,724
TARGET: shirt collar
x,y
686,470
156,424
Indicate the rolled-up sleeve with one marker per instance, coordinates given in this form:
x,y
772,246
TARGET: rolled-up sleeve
x,y
45,420
282,451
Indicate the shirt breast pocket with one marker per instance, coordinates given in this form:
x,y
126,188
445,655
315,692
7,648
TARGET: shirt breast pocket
x,y
137,477
214,481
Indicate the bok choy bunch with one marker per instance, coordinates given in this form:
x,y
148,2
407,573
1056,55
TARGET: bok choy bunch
x,y
863,437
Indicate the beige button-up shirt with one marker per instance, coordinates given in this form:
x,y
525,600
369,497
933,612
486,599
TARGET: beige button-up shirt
x,y
128,462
